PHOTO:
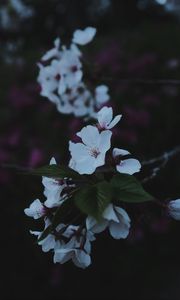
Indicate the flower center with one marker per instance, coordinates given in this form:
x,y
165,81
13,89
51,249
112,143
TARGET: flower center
x,y
94,152
58,77
74,69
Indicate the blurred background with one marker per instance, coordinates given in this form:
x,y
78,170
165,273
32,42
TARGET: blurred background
x,y
136,39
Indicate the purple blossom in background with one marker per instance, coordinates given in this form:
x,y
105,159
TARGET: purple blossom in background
x,y
135,117
138,66
36,157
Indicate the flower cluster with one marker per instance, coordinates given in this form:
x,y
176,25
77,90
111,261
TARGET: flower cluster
x,y
96,141
69,240
91,194
61,77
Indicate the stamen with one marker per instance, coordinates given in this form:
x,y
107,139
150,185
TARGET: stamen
x,y
94,152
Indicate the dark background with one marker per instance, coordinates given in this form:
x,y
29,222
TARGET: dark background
x,y
135,39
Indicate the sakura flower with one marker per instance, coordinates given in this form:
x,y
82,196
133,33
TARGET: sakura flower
x,y
115,218
53,189
47,79
77,249
105,118
125,166
36,210
51,242
77,100
70,70
90,154
174,209
101,95
83,37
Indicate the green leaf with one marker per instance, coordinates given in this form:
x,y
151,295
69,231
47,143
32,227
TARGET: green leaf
x,y
55,171
45,233
128,189
92,200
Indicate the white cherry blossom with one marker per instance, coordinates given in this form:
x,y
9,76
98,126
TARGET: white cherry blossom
x,y
53,189
36,210
49,242
83,37
90,154
125,166
61,78
69,70
174,209
115,218
77,249
49,79
105,118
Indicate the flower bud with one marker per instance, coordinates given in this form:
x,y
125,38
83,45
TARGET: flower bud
x,y
174,209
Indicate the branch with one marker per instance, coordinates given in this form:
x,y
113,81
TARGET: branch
x,y
144,81
162,160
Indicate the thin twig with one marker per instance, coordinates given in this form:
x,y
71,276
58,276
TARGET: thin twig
x,y
164,157
162,160
144,81
16,167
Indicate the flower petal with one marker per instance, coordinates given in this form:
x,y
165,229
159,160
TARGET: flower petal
x,y
105,116
95,227
81,259
114,122
109,214
78,151
118,230
89,136
83,37
105,141
129,166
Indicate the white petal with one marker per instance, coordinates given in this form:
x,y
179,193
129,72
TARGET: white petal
x,y
122,215
63,255
90,136
52,161
118,230
91,224
174,209
48,243
36,233
122,152
129,166
100,227
114,121
81,259
174,204
105,141
83,37
105,116
86,166
76,50
78,151
109,214
35,210
100,160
